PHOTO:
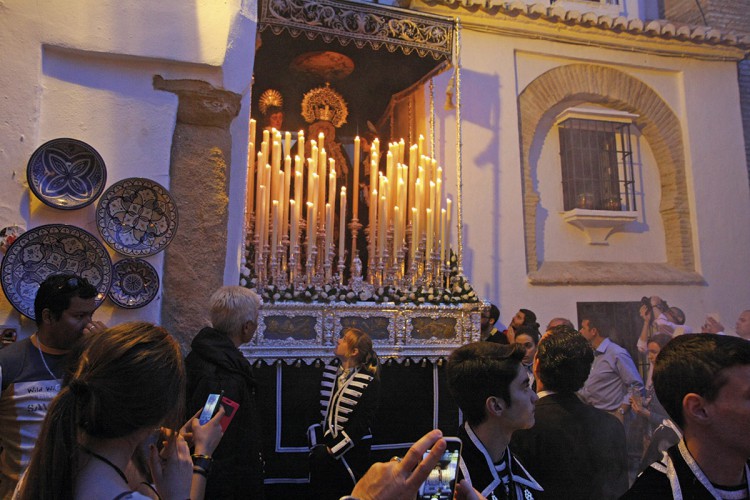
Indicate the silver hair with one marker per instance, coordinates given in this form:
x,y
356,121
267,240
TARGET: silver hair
x,y
232,307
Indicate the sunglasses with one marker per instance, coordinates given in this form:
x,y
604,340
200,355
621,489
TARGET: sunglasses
x,y
72,284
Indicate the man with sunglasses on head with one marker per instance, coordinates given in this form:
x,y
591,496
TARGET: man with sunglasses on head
x,y
31,370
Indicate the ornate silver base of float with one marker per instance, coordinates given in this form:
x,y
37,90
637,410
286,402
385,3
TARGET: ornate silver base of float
x,y
308,332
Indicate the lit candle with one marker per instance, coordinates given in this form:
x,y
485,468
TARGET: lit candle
x,y
282,205
401,147
297,188
417,224
262,219
438,197
402,203
381,227
252,131
294,226
315,192
428,248
274,228
276,166
287,143
310,229
355,183
287,191
432,197
301,143
329,231
250,201
443,220
332,183
373,220
323,174
396,231
342,224
421,150
265,142
448,228
321,140
389,177
260,167
415,219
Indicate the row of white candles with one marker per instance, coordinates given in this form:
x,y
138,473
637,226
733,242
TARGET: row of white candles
x,y
405,194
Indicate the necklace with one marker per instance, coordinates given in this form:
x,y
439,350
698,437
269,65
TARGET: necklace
x,y
41,355
107,461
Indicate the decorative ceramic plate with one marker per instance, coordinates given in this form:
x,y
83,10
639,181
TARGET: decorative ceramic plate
x,y
53,249
137,217
66,174
134,283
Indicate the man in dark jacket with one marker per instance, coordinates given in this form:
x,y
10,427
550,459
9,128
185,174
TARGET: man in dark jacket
x,y
573,450
216,365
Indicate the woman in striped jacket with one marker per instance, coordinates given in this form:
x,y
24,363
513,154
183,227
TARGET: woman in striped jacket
x,y
340,444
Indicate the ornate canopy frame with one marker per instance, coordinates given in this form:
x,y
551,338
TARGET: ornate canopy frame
x,y
307,332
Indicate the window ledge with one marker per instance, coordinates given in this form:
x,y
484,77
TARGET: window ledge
x,y
558,273
598,224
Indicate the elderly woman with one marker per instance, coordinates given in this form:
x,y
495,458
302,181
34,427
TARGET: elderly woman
x,y
215,366
340,444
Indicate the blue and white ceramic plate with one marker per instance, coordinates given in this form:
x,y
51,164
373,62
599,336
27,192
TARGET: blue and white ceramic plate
x,y
137,217
135,283
66,174
53,249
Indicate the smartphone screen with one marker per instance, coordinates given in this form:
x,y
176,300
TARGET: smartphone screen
x,y
209,409
442,480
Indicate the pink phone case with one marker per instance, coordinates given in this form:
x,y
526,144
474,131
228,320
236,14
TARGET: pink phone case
x,y
230,408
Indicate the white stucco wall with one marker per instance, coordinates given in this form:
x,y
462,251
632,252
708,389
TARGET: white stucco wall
x,y
704,97
84,69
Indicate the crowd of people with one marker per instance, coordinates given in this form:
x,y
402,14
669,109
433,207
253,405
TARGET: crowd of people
x,y
90,411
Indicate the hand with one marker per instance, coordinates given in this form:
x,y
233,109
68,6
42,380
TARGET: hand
x,y
635,404
401,480
646,313
511,336
94,327
203,438
465,491
712,326
172,470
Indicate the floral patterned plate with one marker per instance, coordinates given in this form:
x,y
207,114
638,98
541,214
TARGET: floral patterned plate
x,y
134,284
53,249
66,174
137,217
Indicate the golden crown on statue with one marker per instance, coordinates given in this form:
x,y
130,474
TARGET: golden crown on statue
x,y
324,103
271,98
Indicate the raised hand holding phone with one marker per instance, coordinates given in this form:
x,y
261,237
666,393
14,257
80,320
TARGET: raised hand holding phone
x,y
441,482
210,408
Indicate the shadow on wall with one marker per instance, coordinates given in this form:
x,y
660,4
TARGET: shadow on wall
x,y
485,112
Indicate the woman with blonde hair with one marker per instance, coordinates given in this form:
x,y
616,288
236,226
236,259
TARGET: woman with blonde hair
x,y
127,382
340,444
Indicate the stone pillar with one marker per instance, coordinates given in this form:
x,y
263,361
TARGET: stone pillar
x,y
199,182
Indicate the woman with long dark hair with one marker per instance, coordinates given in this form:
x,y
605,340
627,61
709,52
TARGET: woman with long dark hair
x,y
340,444
127,382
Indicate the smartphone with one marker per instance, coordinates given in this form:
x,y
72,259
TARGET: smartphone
x,y
230,408
441,482
210,408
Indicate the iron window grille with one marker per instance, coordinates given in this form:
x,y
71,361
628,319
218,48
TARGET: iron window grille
x,y
597,165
